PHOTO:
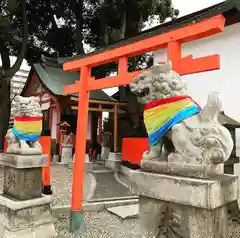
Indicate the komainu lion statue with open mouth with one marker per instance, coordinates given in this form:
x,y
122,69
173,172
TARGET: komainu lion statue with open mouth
x,y
24,137
178,129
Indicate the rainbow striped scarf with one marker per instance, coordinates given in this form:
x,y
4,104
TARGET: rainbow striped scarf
x,y
161,115
27,128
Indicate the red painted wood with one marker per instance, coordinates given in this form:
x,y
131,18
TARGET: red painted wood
x,y
133,148
185,34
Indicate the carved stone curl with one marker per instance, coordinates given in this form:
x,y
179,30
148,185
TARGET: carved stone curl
x,y
199,139
22,138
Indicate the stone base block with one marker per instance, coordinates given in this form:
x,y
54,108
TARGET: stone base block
x,y
177,206
22,184
182,169
46,231
105,153
27,219
23,161
115,156
67,154
114,165
202,193
22,175
25,151
163,219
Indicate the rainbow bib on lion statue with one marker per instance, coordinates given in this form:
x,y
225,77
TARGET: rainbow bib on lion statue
x,y
161,115
27,128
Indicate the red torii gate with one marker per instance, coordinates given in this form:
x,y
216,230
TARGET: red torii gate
x,y
186,65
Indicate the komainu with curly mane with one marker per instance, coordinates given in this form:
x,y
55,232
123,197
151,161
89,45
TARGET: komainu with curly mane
x,y
24,137
178,129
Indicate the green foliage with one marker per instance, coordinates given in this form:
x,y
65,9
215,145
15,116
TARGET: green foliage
x,y
100,23
136,14
30,28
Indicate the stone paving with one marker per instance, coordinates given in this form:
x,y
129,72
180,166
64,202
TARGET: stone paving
x,y
106,185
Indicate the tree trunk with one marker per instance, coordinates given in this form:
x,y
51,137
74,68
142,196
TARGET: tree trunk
x,y
5,107
123,21
6,73
104,24
79,43
78,12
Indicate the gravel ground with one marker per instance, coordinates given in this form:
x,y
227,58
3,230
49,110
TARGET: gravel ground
x,y
61,179
99,225
106,225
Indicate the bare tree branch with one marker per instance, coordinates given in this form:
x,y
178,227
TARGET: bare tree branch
x,y
78,12
53,21
104,23
123,21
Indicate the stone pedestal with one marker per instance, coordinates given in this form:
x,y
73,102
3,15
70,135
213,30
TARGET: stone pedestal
x,y
181,206
88,166
114,161
105,153
24,211
67,156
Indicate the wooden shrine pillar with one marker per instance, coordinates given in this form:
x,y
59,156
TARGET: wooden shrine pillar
x,y
58,110
94,130
77,219
100,124
115,131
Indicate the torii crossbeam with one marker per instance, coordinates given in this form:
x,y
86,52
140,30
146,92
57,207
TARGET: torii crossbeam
x,y
183,65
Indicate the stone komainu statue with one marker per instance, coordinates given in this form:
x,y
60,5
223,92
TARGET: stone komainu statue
x,y
24,137
178,129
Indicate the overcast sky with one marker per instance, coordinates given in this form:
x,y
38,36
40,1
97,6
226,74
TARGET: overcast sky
x,y
185,7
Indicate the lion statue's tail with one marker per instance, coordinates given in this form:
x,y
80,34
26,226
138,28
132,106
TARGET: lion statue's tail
x,y
212,109
218,142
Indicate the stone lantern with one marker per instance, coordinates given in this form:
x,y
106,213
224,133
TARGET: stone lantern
x,y
231,125
66,143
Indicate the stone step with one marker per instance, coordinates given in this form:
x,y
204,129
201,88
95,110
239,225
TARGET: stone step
x,y
125,212
109,187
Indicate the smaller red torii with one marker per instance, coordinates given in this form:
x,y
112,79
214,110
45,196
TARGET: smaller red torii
x,y
183,65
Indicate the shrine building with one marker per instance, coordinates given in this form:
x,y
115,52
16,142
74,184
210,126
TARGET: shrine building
x,y
47,80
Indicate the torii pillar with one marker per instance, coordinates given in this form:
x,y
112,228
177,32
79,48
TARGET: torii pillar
x,y
186,65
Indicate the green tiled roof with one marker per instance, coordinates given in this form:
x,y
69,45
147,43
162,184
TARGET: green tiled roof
x,y
54,78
